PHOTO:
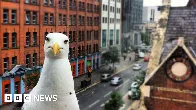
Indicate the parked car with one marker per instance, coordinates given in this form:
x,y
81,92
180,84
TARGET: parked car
x,y
137,67
116,80
146,59
106,77
134,91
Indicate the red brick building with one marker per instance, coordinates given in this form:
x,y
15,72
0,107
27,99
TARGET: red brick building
x,y
24,25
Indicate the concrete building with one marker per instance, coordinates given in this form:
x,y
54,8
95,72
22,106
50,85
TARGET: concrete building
x,y
131,15
110,24
24,25
150,14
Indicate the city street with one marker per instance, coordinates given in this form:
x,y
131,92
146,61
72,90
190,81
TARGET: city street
x,y
95,97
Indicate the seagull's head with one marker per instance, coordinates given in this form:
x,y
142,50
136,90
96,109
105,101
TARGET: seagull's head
x,y
56,45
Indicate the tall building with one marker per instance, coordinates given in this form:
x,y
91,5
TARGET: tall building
x,y
110,24
131,16
24,25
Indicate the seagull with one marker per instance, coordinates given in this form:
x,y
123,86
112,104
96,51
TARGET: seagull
x,y
56,77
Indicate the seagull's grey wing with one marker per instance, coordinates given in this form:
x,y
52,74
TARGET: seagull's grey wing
x,y
18,105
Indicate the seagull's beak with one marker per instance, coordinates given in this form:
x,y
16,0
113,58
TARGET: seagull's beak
x,y
56,48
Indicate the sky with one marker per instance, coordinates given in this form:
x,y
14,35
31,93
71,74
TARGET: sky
x,y
174,3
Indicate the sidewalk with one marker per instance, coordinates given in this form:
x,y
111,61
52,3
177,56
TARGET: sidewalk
x,y
95,78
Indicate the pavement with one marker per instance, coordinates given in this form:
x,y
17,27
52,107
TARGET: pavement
x,y
95,77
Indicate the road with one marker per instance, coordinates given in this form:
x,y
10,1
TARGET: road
x,y
95,97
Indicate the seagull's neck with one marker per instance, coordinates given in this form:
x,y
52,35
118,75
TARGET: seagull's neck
x,y
56,73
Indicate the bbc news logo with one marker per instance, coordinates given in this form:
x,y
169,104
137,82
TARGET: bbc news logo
x,y
30,98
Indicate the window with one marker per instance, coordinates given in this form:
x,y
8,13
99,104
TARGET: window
x,y
6,62
74,36
70,4
79,51
117,36
111,37
104,38
51,2
28,39
46,18
64,3
5,16
34,2
27,17
60,3
17,87
14,39
79,36
51,19
74,19
34,59
74,5
28,60
64,19
83,35
70,20
34,17
27,1
5,40
103,19
34,38
46,2
14,16
60,19
14,61
7,89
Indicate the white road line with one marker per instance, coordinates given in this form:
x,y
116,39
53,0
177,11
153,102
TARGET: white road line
x,y
108,94
121,108
94,103
127,81
118,86
102,105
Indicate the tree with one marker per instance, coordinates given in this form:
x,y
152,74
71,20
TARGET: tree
x,y
145,38
31,79
115,102
112,55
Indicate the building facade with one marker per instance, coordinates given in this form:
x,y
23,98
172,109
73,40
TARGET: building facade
x,y
24,25
132,11
110,24
150,14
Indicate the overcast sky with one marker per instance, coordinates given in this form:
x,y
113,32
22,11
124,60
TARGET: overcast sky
x,y
174,3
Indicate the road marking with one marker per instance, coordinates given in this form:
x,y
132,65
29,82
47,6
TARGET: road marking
x,y
121,108
112,75
108,94
125,96
102,105
119,86
94,103
127,81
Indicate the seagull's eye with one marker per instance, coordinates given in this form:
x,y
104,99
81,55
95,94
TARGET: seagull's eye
x,y
66,41
47,39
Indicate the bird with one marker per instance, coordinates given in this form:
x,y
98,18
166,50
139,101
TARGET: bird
x,y
56,77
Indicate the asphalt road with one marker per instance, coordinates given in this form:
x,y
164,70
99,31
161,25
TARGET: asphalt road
x,y
95,97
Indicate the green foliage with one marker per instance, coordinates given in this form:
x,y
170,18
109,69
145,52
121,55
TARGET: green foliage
x,y
112,55
145,37
31,79
115,102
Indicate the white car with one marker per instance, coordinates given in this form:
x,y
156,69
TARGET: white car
x,y
137,67
116,80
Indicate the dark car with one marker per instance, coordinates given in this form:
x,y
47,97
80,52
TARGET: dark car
x,y
106,77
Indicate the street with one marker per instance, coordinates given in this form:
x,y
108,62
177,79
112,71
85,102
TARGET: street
x,y
94,98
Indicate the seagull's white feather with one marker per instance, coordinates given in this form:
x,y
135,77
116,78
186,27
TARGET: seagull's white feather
x,y
55,79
